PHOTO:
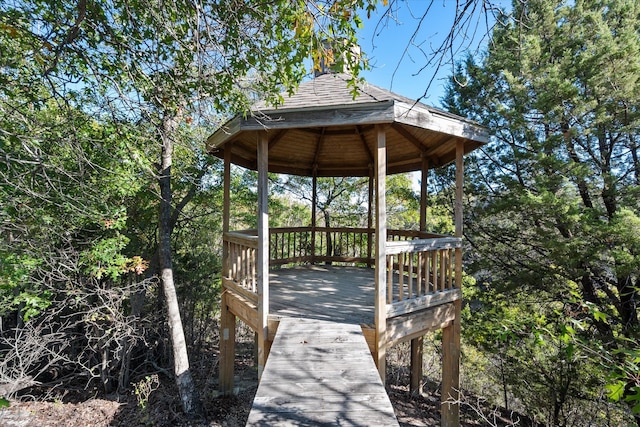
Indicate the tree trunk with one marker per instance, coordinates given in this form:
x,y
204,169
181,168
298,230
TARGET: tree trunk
x,y
327,223
589,294
191,404
628,302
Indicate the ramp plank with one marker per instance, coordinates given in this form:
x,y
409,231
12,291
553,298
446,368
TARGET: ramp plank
x,y
320,373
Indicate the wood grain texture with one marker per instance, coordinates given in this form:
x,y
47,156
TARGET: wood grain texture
x,y
320,373
262,264
340,294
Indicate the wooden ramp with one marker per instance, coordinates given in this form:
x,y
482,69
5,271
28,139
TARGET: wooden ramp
x,y
320,373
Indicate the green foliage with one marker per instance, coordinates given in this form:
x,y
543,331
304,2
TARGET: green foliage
x,y
542,361
403,204
342,202
17,291
623,384
90,93
288,212
552,208
143,389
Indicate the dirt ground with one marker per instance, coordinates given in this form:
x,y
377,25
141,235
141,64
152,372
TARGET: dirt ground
x,y
157,404
228,412
163,410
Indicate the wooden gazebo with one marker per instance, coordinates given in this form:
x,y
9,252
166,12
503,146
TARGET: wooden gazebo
x,y
407,281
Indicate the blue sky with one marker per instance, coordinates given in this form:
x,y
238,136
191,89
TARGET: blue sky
x,y
399,46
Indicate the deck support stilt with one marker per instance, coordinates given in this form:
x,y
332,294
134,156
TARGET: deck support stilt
x,y
227,348
417,344
450,406
415,386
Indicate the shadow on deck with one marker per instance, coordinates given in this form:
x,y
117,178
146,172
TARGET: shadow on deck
x,y
335,293
320,373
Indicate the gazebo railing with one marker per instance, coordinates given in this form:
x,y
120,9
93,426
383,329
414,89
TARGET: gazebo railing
x,y
401,235
290,245
344,245
240,274
301,245
420,265
421,272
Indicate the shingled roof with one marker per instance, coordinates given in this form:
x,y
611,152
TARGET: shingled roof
x,y
330,90
323,129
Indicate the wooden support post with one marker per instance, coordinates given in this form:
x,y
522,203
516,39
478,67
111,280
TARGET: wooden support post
x,y
450,408
370,218
314,207
263,249
417,344
459,187
226,178
227,347
423,194
227,319
381,252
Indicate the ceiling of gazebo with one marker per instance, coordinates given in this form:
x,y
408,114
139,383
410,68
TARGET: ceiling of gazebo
x,y
323,128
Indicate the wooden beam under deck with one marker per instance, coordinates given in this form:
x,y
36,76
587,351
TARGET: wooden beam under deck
x,y
241,307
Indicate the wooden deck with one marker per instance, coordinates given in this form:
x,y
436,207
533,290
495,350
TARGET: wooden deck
x,y
320,373
323,292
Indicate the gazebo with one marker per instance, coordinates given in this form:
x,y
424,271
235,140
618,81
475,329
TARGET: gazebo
x,y
396,284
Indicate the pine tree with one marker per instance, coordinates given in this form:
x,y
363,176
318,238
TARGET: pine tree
x,y
555,212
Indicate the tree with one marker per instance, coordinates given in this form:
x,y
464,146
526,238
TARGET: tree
x,y
554,209
429,49
164,67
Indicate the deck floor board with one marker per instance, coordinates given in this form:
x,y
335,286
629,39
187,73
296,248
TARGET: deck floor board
x,y
320,373
336,293
325,292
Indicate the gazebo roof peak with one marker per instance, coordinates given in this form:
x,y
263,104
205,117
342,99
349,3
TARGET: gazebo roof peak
x,y
323,129
330,90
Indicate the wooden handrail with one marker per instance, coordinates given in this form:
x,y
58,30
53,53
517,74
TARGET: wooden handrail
x,y
420,273
240,266
422,245
415,234
241,238
420,265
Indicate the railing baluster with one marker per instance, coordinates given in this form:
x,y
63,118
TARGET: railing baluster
x,y
228,266
231,258
419,271
247,267
254,274
390,279
242,256
434,271
450,257
410,278
400,276
443,262
235,260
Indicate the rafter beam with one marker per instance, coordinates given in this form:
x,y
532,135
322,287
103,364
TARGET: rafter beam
x,y
360,133
316,155
408,136
277,138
